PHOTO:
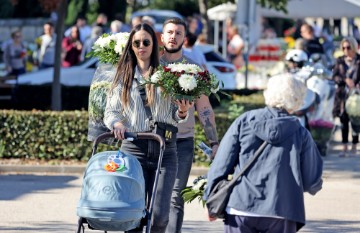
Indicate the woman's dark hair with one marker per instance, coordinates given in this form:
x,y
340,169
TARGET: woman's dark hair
x,y
78,33
126,66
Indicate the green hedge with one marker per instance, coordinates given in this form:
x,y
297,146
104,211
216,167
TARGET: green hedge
x,y
48,135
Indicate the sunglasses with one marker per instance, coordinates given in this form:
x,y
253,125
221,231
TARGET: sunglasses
x,y
346,47
137,43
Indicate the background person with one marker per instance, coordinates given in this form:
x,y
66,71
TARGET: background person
x,y
191,51
311,43
46,54
125,112
269,197
173,37
15,55
346,76
235,47
96,32
71,48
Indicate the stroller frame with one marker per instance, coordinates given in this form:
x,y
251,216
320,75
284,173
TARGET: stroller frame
x,y
131,136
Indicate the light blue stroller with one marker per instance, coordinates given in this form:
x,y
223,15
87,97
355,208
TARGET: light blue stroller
x,y
113,191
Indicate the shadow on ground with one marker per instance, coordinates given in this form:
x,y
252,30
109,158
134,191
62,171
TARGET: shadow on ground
x,y
14,186
54,226
203,226
331,226
333,164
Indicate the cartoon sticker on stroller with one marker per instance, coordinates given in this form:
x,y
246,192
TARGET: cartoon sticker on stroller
x,y
115,163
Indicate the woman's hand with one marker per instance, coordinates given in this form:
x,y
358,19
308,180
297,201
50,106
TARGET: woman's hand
x,y
119,131
350,83
183,107
214,150
211,219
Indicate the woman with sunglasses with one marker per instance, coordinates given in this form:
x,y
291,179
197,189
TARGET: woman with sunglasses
x,y
346,76
125,112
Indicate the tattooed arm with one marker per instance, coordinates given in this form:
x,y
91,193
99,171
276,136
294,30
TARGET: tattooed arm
x,y
207,119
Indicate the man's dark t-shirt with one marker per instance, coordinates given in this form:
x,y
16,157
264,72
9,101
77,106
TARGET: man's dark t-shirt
x,y
313,46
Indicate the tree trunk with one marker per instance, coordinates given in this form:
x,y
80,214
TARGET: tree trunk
x,y
203,7
59,30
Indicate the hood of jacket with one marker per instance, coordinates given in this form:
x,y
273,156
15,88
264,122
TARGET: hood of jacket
x,y
276,128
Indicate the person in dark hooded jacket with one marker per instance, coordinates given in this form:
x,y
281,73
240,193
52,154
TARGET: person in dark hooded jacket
x,y
269,196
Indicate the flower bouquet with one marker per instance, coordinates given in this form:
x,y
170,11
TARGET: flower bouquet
x,y
108,49
352,107
185,81
196,191
321,132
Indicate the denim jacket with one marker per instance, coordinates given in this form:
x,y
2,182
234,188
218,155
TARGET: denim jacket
x,y
288,166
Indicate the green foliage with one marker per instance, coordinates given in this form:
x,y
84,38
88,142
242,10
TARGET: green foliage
x,y
196,191
276,4
92,11
44,135
75,9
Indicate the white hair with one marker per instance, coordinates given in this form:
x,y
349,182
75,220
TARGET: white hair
x,y
115,26
285,92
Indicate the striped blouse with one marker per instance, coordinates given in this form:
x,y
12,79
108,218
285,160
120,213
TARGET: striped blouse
x,y
134,117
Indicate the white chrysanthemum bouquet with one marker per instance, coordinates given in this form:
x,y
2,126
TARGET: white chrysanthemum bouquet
x,y
185,81
108,48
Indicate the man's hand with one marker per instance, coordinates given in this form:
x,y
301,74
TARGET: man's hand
x,y
214,150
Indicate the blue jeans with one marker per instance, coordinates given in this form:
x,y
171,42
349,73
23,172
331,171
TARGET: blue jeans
x,y
147,152
185,155
246,224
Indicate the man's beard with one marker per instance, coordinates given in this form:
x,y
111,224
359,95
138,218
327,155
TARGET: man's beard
x,y
174,50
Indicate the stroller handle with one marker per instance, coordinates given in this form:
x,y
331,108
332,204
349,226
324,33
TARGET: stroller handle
x,y
135,136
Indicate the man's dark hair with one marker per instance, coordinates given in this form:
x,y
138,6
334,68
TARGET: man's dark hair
x,y
175,20
49,23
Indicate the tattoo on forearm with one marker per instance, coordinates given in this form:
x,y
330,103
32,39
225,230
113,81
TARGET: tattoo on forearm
x,y
207,119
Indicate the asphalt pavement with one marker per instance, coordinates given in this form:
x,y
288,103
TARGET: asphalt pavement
x,y
44,198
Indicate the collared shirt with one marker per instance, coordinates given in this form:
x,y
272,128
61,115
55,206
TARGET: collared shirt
x,y
134,116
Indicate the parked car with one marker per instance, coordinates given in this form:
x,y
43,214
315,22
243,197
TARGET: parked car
x,y
82,74
159,16
215,63
78,75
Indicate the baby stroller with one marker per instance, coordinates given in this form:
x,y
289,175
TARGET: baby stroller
x,y
113,192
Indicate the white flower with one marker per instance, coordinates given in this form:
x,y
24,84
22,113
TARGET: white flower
x,y
215,87
119,48
155,77
187,82
199,184
103,42
188,68
108,48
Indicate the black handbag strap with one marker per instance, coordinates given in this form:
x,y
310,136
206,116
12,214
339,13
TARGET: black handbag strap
x,y
142,92
246,167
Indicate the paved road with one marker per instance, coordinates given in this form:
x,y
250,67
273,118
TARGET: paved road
x,y
47,202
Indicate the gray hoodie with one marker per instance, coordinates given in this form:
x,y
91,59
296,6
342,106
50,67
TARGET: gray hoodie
x,y
289,165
